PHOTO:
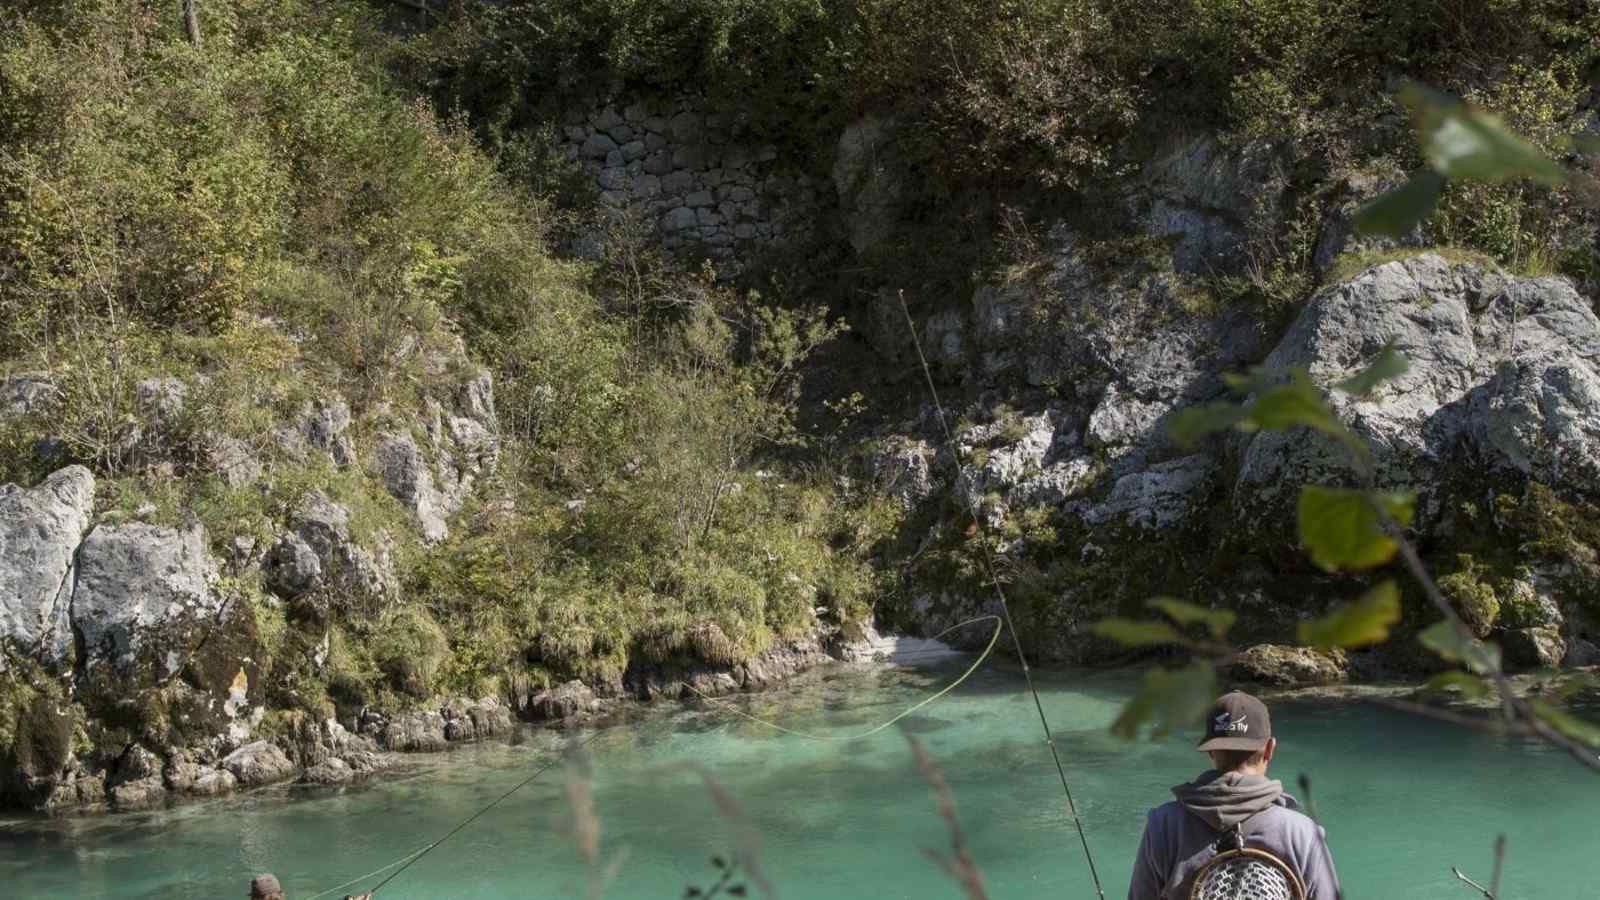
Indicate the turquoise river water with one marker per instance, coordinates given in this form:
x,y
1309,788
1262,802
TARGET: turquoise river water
x,y
1403,799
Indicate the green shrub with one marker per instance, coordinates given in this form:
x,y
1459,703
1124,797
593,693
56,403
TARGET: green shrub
x,y
1472,596
410,649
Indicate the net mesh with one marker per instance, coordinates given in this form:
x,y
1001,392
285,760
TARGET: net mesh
x,y
1244,877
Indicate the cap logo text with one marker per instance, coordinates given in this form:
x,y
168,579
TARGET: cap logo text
x,y
1227,724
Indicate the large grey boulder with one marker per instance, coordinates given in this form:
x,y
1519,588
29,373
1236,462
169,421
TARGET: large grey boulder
x,y
258,763
40,529
1540,416
144,591
1505,366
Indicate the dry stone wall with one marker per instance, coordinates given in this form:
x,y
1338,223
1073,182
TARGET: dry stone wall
x,y
705,183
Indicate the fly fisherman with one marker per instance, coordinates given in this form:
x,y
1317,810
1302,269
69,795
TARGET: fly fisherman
x,y
1232,802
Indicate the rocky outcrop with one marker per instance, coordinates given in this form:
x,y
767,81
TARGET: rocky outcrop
x,y
434,728
1211,200
144,594
1278,665
259,763
317,555
458,447
1499,367
40,529
564,701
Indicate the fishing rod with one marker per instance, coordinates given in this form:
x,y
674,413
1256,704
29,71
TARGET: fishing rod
x,y
1005,608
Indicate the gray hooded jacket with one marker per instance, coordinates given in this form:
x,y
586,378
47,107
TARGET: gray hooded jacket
x,y
1181,836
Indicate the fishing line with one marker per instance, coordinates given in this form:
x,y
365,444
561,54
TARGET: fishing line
x,y
412,858
993,639
1005,608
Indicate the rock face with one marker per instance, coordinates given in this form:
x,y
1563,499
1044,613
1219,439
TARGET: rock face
x,y
463,447
1282,666
1211,200
40,529
318,552
1502,368
258,763
143,592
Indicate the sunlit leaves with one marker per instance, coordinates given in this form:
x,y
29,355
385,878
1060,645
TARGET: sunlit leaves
x,y
1395,213
1388,366
1469,686
1463,141
1358,624
1134,633
1168,699
1217,621
1566,723
1458,140
1275,406
1449,642
1340,527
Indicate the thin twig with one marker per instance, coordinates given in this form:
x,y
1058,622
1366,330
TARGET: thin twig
x,y
961,868
1488,895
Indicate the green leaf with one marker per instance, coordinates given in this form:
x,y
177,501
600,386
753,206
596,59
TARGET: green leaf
x,y
1567,723
1341,530
1189,425
1297,403
1462,141
1218,621
1132,633
1446,640
1358,624
1168,699
1388,366
1395,213
1471,686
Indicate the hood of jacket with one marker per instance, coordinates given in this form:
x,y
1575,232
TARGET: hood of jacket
x,y
1224,799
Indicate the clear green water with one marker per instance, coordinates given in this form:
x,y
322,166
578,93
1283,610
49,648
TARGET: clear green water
x,y
1403,799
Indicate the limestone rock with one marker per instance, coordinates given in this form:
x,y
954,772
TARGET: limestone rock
x,y
1213,199
320,531
144,591
415,732
258,763
904,470
1284,666
1541,417
1456,325
40,530
26,393
1532,648
406,476
561,702
1161,497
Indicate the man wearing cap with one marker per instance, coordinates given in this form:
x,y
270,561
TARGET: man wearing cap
x,y
265,887
1181,835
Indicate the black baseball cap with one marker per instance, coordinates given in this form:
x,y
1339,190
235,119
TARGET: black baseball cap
x,y
1237,721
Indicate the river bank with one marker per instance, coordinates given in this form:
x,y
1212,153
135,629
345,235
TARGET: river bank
x,y
843,818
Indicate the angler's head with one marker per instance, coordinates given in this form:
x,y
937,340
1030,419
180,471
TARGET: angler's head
x,y
1239,735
